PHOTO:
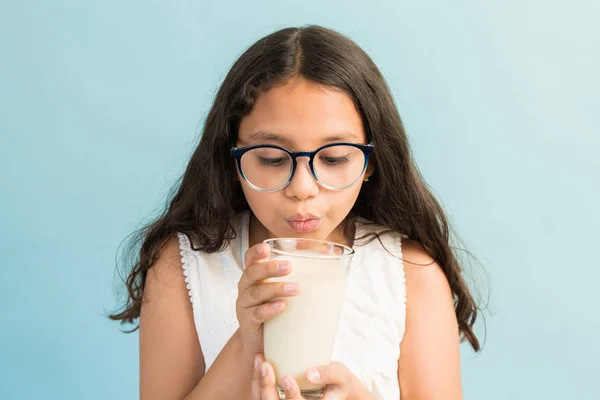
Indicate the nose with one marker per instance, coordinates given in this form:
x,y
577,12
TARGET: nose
x,y
303,185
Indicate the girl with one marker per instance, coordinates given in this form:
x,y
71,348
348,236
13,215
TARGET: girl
x,y
314,91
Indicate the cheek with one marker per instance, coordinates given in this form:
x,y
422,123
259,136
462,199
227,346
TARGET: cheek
x,y
340,203
261,203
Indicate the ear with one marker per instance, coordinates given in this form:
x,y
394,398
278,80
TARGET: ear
x,y
370,168
236,173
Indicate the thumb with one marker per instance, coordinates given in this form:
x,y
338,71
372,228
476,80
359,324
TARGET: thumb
x,y
291,389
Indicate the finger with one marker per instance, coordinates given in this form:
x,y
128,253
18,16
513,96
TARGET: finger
x,y
264,312
333,374
258,272
335,392
258,360
265,292
256,253
268,391
291,389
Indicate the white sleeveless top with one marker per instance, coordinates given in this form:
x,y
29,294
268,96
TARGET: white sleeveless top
x,y
372,321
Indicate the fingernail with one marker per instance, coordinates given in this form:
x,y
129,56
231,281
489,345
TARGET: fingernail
x,y
263,371
287,383
313,375
277,304
256,362
290,287
283,266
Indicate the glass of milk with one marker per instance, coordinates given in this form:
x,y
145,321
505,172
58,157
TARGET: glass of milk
x,y
303,335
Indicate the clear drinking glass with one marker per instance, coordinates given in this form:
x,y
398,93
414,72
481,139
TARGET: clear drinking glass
x,y
303,335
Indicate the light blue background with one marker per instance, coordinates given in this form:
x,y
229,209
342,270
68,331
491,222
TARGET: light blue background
x,y
101,103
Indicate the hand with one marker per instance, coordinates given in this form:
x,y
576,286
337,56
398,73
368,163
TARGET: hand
x,y
263,383
340,383
259,301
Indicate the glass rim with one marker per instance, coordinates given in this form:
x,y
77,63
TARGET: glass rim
x,y
349,249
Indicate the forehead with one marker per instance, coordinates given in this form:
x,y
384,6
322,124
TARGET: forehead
x,y
302,116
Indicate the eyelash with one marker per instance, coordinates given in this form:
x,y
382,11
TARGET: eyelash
x,y
271,161
336,160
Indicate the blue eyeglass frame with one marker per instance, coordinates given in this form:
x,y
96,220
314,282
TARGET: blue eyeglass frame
x,y
238,152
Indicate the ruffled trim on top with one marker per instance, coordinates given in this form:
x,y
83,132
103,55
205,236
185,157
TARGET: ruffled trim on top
x,y
403,281
188,260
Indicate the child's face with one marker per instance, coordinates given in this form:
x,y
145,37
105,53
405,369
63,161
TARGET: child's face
x,y
301,116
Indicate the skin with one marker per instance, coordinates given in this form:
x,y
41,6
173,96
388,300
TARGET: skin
x,y
299,116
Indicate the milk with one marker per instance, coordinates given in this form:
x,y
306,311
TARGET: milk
x,y
303,335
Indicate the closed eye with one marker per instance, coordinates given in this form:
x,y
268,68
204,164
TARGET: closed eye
x,y
334,160
272,162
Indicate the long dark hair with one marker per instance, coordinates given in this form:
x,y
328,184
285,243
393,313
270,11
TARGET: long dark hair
x,y
209,197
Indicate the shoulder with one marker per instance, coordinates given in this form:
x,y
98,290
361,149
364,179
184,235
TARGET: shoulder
x,y
424,276
169,255
424,279
429,300
166,272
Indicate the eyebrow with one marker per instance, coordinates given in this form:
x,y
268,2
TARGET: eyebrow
x,y
274,137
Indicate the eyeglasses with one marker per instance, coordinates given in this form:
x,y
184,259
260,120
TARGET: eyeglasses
x,y
268,168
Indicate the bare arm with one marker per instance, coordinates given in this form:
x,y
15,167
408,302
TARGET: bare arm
x,y
229,377
171,361
429,365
